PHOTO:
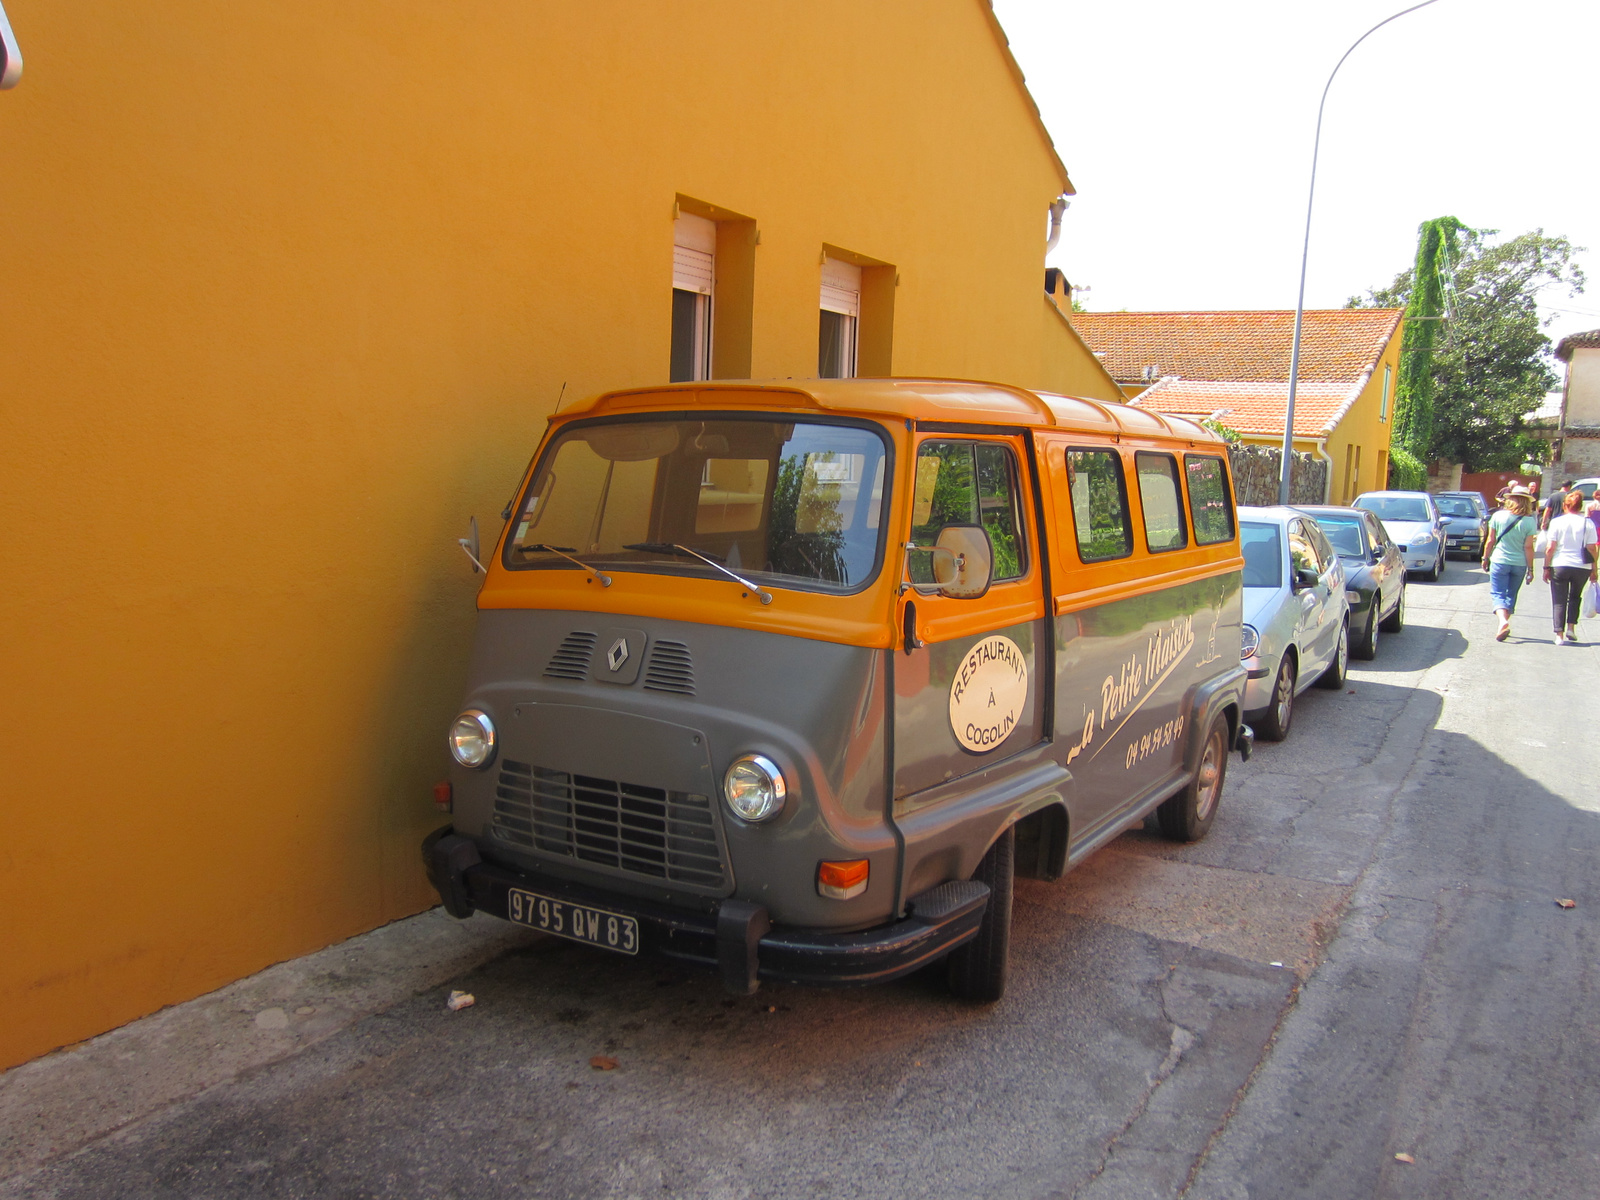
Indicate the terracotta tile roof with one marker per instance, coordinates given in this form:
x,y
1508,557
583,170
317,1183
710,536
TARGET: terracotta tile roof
x,y
1565,347
1253,408
1336,344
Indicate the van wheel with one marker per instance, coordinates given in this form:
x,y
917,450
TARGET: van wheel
x,y
1333,677
978,968
1188,815
1275,725
1396,621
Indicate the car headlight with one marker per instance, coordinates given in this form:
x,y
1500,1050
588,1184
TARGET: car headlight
x,y
472,739
754,788
1249,641
1424,539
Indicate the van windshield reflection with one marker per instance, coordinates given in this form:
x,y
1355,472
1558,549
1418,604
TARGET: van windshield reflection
x,y
797,503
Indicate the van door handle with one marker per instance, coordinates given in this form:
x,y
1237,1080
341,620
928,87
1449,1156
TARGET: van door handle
x,y
913,642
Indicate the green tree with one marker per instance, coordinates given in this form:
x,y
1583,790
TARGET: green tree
x,y
1491,363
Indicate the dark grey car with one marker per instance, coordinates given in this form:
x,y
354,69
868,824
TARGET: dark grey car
x,y
1375,574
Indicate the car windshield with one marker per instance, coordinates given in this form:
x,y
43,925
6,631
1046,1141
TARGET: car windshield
x,y
1395,508
1345,534
794,502
1456,506
1263,557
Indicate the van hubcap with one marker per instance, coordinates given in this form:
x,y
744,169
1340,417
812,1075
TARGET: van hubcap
x,y
1209,776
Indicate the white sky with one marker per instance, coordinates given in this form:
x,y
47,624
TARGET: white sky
x,y
1187,129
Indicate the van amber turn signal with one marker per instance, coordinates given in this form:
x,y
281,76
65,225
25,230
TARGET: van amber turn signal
x,y
842,880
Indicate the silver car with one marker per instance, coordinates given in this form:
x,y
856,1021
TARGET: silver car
x,y
1296,615
1412,519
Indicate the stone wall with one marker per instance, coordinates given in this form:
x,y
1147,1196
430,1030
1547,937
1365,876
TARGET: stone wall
x,y
1256,471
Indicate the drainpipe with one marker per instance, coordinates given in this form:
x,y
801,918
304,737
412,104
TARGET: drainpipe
x,y
1321,452
1058,206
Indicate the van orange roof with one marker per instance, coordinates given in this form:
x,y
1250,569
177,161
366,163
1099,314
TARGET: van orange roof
x,y
952,400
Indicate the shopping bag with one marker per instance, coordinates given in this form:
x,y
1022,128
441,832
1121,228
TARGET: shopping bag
x,y
1591,598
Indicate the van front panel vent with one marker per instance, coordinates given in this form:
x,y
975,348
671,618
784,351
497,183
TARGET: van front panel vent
x,y
571,659
670,669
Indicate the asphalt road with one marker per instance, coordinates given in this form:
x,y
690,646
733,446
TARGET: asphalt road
x,y
1364,959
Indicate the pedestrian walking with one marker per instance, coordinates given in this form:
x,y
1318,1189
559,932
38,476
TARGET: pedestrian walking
x,y
1553,507
1569,564
1508,554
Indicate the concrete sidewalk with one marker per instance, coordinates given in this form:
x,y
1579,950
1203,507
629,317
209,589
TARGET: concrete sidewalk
x,y
59,1103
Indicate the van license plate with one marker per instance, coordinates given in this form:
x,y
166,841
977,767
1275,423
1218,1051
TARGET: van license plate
x,y
578,922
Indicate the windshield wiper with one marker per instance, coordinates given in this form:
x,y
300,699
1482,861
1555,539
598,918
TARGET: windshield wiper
x,y
709,559
564,552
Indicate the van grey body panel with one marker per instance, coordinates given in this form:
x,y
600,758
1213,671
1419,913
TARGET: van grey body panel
x,y
814,708
1128,676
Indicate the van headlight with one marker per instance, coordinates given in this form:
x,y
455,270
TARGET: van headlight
x,y
1249,641
472,739
754,788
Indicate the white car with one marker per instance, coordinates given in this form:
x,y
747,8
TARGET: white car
x,y
1296,615
1412,522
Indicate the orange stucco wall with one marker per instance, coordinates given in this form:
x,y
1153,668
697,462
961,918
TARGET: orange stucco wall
x,y
286,292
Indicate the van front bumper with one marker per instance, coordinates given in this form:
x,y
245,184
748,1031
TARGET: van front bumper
x,y
733,936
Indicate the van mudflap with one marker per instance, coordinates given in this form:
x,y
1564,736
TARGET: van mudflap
x,y
734,937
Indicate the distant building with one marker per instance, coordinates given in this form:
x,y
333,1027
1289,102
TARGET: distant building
x,y
1234,367
1575,433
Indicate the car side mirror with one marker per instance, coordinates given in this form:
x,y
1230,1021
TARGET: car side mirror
x,y
963,561
1445,520
1305,577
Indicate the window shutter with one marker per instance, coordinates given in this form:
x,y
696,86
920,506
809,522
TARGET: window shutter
x,y
694,247
841,287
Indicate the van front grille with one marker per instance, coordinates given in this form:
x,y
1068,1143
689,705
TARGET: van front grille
x,y
670,669
571,659
638,830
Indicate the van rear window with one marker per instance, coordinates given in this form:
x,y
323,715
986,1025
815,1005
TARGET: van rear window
x,y
1163,506
1210,506
1099,505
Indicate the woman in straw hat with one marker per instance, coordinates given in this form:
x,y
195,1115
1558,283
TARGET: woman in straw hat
x,y
1508,554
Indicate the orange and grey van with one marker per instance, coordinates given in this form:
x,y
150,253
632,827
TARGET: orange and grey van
x,y
792,679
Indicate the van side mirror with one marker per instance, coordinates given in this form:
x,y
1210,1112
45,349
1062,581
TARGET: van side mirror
x,y
963,561
470,545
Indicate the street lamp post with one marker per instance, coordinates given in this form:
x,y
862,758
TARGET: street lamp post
x,y
1305,254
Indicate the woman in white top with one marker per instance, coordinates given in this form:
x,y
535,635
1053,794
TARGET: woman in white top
x,y
1570,562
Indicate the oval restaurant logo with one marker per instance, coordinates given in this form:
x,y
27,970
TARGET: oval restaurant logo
x,y
988,692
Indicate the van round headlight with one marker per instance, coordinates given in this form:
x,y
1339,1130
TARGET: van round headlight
x,y
754,788
472,739
1249,641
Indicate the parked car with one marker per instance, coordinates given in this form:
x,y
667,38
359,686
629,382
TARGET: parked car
x,y
1468,519
1296,616
1587,487
1412,520
1374,574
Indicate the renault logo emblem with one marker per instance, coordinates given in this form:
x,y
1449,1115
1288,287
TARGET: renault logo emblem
x,y
618,654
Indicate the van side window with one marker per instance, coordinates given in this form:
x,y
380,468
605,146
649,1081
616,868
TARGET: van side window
x,y
1163,507
1099,505
1210,507
968,483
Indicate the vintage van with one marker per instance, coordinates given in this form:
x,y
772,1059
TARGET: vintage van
x,y
791,678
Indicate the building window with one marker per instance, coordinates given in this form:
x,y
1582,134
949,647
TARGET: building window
x,y
694,256
1383,401
841,318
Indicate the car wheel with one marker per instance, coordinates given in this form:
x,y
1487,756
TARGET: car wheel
x,y
978,968
1396,621
1333,677
1275,725
1432,574
1367,647
1188,815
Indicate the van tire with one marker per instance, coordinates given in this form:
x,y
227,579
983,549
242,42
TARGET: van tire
x,y
1187,816
978,968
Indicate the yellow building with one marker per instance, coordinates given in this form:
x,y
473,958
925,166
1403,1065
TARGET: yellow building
x,y
1234,367
288,291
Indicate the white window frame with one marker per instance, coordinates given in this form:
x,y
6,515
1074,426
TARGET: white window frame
x,y
694,270
841,293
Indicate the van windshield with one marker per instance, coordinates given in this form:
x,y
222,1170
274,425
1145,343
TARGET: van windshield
x,y
799,503
1263,559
